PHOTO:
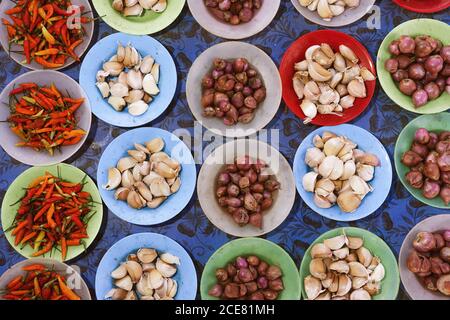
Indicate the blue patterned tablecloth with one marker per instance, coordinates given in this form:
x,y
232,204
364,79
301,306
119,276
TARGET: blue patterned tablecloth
x,y
185,39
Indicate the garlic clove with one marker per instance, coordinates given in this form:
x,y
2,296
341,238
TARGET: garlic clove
x,y
323,9
147,4
313,287
309,53
113,68
146,255
359,186
124,283
301,66
357,88
340,266
119,90
313,157
347,101
156,202
348,53
311,91
378,273
320,250
118,5
358,283
333,146
348,201
322,202
317,269
135,10
358,270
345,285
364,256
155,72
299,87
341,253
119,273
127,179
121,194
309,181
324,187
354,243
147,64
360,294
160,6
313,5
367,75
166,270
365,171
319,73
335,243
137,108
114,179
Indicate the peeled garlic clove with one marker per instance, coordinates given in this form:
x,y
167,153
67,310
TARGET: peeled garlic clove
x,y
166,270
135,10
156,279
341,253
134,270
134,200
320,250
348,201
313,287
170,258
148,179
352,3
357,88
349,170
119,273
339,63
114,179
348,53
175,186
172,288
144,191
323,9
160,188
366,158
143,286
118,5
147,4
147,255
155,72
125,283
328,166
130,3
317,269
299,87
134,79
121,194
358,282
358,270
165,171
147,64
337,10
359,186
155,145
310,52
333,146
113,68
137,155
127,179
324,187
340,266
322,202
126,163
149,85
309,181
117,103
116,294
365,171
373,288
352,257
364,256
104,89
378,273
335,243
360,294
144,169
119,90
354,243
137,108
375,261
156,202
313,5
345,285
160,6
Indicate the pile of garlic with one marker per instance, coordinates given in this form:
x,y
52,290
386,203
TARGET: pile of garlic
x,y
146,275
146,178
327,9
137,7
341,172
128,80
329,82
343,269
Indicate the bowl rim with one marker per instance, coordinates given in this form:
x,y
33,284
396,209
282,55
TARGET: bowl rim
x,y
397,161
99,209
307,142
264,242
403,257
389,252
201,197
287,91
317,20
234,32
147,117
384,77
153,236
191,165
88,113
90,33
111,22
47,261
432,9
233,132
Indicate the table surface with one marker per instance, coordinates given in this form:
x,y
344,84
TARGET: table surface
x,y
185,39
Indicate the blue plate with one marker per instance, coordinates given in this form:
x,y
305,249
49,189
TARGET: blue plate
x,y
186,275
101,52
382,179
175,148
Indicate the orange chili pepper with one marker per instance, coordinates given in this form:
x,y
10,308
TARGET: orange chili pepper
x,y
47,248
46,52
50,212
65,290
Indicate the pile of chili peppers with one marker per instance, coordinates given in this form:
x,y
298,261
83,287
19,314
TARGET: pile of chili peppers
x,y
53,213
43,118
41,28
39,283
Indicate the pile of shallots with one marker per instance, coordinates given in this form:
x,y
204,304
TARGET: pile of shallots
x,y
341,172
429,161
430,260
233,12
327,9
328,82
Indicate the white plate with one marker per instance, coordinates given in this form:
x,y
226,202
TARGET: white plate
x,y
260,21
259,60
348,17
410,281
225,154
74,280
19,58
27,155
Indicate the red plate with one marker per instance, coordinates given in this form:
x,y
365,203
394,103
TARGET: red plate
x,y
423,6
296,53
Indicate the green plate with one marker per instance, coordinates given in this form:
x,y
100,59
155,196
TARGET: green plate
x,y
434,28
433,122
16,191
391,282
265,250
150,22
